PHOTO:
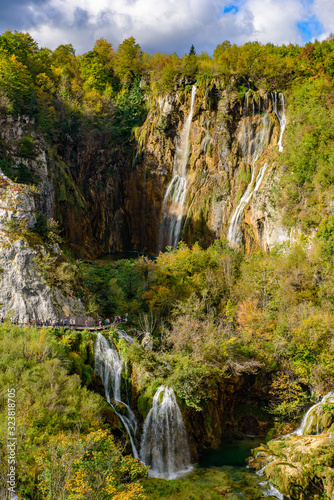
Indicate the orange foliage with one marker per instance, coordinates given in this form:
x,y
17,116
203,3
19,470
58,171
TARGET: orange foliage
x,y
253,323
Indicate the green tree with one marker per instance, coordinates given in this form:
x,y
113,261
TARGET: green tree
x,y
15,83
192,51
326,233
129,61
20,44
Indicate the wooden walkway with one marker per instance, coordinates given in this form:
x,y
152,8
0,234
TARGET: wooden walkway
x,y
79,328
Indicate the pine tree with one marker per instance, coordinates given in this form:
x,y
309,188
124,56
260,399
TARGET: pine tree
x,y
192,51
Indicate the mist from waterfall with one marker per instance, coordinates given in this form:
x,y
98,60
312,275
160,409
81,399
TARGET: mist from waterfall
x,y
109,365
175,195
164,444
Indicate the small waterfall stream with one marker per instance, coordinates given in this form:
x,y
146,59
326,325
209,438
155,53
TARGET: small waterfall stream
x,y
108,364
312,422
108,230
175,196
252,145
164,443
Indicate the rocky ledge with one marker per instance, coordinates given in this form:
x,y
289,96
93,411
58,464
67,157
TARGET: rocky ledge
x,y
24,294
301,467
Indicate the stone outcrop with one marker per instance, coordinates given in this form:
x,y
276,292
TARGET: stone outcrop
x,y
12,133
302,467
24,295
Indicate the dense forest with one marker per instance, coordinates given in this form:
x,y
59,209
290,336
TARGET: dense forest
x,y
239,332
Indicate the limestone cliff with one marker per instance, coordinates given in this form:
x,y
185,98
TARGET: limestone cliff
x,y
111,197
24,294
233,145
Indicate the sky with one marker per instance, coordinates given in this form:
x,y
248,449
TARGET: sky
x,y
168,26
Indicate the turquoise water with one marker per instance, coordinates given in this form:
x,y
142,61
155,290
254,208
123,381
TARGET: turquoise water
x,y
233,452
221,474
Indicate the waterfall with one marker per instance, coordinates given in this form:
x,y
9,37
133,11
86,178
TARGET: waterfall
x,y
108,364
280,115
268,490
252,145
312,422
175,196
232,235
164,443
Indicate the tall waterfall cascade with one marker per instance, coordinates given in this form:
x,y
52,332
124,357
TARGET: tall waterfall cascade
x,y
164,443
314,420
252,145
109,365
175,196
279,110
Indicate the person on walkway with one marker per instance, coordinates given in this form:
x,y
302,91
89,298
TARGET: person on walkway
x,y
86,324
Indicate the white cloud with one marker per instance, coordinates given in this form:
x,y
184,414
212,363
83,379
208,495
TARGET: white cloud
x,y
323,10
168,25
274,21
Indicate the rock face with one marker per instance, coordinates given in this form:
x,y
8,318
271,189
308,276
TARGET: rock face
x,y
24,295
237,408
233,152
109,197
302,467
35,157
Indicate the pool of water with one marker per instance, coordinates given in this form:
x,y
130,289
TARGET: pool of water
x,y
221,474
232,452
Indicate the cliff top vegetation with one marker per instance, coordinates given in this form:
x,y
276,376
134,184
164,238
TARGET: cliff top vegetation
x,y
58,87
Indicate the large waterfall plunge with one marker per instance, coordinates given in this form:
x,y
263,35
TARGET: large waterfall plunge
x,y
164,443
108,365
252,143
175,196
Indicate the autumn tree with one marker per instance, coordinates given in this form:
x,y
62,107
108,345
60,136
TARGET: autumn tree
x,y
15,83
129,60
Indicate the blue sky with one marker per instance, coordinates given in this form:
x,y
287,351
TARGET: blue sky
x,y
169,25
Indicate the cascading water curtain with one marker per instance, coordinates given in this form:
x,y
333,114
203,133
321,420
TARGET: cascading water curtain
x,y
164,443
